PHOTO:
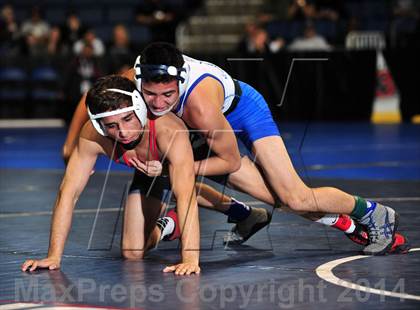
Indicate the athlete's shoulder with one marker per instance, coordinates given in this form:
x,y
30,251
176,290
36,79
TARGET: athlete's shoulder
x,y
208,94
169,122
170,131
89,135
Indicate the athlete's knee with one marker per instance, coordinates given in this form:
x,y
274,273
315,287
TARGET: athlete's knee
x,y
300,201
243,174
132,254
234,166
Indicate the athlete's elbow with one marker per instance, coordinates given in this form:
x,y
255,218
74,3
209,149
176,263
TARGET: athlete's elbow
x,y
66,151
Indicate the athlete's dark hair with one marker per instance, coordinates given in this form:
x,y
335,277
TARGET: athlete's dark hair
x,y
99,100
161,53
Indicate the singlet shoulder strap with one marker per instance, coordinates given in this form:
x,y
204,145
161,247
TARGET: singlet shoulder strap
x,y
120,156
152,140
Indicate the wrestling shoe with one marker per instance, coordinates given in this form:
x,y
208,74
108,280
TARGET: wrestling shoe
x,y
242,231
381,225
359,235
163,222
401,245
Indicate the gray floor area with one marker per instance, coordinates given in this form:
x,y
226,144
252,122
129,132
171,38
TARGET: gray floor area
x,y
274,269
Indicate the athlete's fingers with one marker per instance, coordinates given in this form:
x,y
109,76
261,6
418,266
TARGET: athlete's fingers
x,y
154,163
183,269
194,269
170,268
154,166
34,266
43,263
136,164
139,164
26,264
150,168
187,270
180,270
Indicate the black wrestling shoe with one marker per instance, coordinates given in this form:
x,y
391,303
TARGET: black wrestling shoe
x,y
242,231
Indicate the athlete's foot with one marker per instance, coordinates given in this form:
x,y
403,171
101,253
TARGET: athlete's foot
x,y
381,224
242,231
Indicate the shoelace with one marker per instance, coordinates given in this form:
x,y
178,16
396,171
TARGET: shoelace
x,y
358,234
162,222
233,236
373,231
387,228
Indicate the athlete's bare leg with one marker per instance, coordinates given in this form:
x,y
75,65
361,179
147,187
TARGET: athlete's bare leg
x,y
248,179
272,157
140,231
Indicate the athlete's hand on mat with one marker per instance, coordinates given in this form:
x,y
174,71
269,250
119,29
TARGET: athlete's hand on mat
x,y
152,168
183,269
49,262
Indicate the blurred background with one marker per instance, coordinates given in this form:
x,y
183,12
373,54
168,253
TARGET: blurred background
x,y
311,59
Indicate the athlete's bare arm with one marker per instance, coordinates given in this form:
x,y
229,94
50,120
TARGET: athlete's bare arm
x,y
80,117
203,112
74,181
173,142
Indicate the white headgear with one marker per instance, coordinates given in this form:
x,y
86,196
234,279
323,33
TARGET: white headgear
x,y
150,71
138,106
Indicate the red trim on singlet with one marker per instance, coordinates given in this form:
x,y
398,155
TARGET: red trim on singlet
x,y
120,157
152,140
124,156
117,153
116,158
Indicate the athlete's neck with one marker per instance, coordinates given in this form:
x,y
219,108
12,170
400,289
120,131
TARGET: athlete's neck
x,y
132,145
